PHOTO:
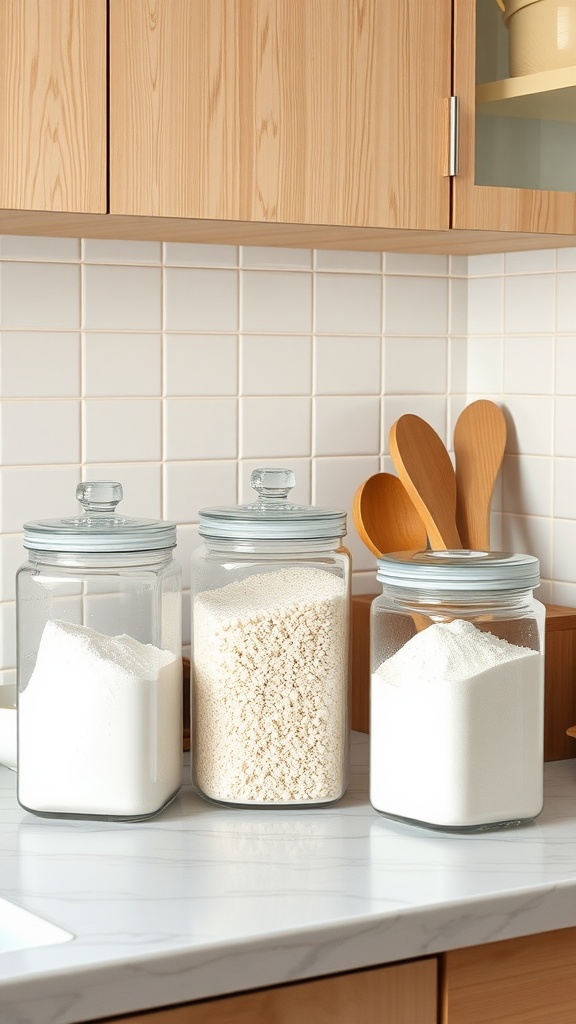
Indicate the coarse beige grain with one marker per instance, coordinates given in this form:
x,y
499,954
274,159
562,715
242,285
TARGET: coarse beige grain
x,y
270,688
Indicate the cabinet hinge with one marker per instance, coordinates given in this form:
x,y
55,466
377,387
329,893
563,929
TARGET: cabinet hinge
x,y
454,136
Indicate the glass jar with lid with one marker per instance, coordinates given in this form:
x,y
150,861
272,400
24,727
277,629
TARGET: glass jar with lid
x,y
99,653
270,625
457,689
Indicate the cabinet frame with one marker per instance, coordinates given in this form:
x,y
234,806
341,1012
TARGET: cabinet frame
x,y
490,207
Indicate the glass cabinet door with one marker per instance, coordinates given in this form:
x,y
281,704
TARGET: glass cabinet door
x,y
518,115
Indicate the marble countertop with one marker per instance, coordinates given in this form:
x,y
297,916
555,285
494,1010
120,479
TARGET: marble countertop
x,y
202,900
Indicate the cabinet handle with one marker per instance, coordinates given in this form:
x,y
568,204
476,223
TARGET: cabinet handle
x,y
454,137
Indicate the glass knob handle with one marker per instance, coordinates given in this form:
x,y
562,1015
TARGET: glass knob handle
x,y
99,495
272,483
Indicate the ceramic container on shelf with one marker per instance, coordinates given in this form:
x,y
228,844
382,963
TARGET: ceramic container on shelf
x,y
270,622
541,34
99,650
457,689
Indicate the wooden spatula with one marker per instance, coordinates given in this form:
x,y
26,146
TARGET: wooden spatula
x,y
425,469
385,516
479,443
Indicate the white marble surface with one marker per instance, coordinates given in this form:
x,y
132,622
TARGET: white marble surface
x,y
202,900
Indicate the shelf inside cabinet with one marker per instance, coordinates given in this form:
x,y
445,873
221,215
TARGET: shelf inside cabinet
x,y
546,95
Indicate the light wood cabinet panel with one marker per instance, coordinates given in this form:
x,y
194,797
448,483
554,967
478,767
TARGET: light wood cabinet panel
x,y
399,994
53,105
491,208
319,112
530,980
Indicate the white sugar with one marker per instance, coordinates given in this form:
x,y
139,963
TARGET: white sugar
x,y
456,728
100,725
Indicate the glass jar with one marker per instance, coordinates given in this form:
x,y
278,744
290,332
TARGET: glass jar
x,y
457,689
99,652
270,624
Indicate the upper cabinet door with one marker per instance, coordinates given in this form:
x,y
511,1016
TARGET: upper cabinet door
x,y
286,111
53,105
518,119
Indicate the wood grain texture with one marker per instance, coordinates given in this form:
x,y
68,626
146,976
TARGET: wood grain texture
x,y
479,443
400,994
318,112
385,516
425,469
301,236
560,683
531,980
559,675
53,105
481,206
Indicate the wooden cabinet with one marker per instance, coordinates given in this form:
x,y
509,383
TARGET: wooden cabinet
x,y
316,112
53,105
531,980
400,994
514,103
315,123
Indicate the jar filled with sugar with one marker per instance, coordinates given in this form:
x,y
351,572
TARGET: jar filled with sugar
x,y
457,689
270,625
99,654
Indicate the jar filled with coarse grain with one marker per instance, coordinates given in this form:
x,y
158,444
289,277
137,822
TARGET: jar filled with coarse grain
x,y
457,691
270,624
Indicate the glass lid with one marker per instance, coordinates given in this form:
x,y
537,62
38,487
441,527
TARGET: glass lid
x,y
100,527
459,570
271,515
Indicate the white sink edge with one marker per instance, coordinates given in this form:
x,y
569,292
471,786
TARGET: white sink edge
x,y
21,929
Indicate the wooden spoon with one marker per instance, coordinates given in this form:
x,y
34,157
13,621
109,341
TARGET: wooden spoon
x,y
425,469
385,516
479,443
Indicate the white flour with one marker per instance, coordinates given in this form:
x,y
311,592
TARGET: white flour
x,y
100,725
270,688
457,729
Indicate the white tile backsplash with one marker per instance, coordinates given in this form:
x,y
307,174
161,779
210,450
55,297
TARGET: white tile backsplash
x,y
529,364
415,366
276,301
39,296
109,360
275,427
122,430
39,433
200,363
120,298
348,303
529,304
200,428
109,250
188,254
35,247
566,302
39,364
189,486
275,364
346,425
416,305
348,366
200,299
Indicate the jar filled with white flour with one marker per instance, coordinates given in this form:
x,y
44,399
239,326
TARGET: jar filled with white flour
x,y
270,622
99,650
457,689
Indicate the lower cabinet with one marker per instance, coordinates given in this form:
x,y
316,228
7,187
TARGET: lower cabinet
x,y
403,993
531,980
